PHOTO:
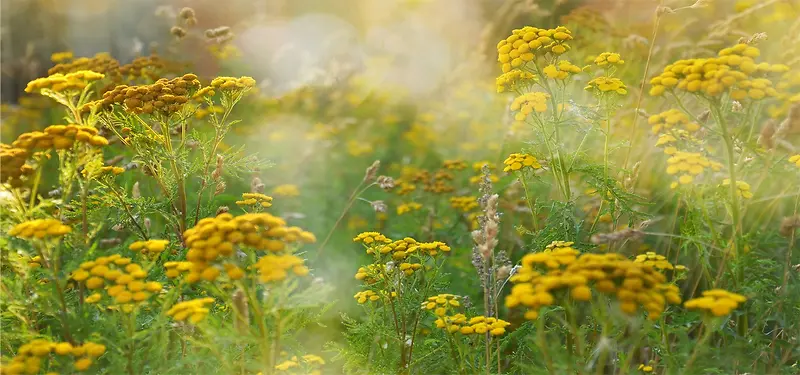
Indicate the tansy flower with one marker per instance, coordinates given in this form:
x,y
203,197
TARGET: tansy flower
x,y
718,302
562,71
286,190
514,80
277,267
528,103
465,203
70,83
58,57
689,165
658,261
212,241
408,207
39,229
150,246
455,165
645,368
563,268
742,188
365,296
518,161
604,84
795,159
520,47
482,324
194,310
252,199
368,238
734,71
441,303
608,59
670,119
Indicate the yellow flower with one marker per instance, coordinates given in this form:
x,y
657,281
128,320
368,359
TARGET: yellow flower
x,y
286,190
688,165
522,45
194,310
604,84
518,161
742,188
795,159
408,207
277,267
252,199
562,71
149,246
608,58
528,103
39,229
514,80
717,302
465,203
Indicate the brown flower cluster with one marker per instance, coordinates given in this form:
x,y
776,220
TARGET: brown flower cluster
x,y
163,97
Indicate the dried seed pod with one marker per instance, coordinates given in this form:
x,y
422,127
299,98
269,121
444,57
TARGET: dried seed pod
x,y
178,32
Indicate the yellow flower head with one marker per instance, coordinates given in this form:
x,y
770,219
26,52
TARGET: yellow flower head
x,y
528,103
40,228
193,310
717,302
602,85
688,165
252,199
514,80
608,59
518,161
562,71
286,190
522,45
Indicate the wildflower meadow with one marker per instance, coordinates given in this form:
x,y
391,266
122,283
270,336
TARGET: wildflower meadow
x,y
400,187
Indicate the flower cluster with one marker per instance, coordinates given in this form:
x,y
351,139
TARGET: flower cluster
x,y
657,261
476,325
526,104
174,269
455,165
608,59
273,267
252,199
518,161
100,63
543,275
689,165
669,119
370,274
483,324
214,238
163,97
441,303
195,310
733,70
718,302
408,207
286,190
795,159
514,80
367,295
125,279
523,43
60,137
310,360
12,165
369,238
70,83
233,84
465,203
39,228
562,71
30,356
152,247
605,84
742,188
